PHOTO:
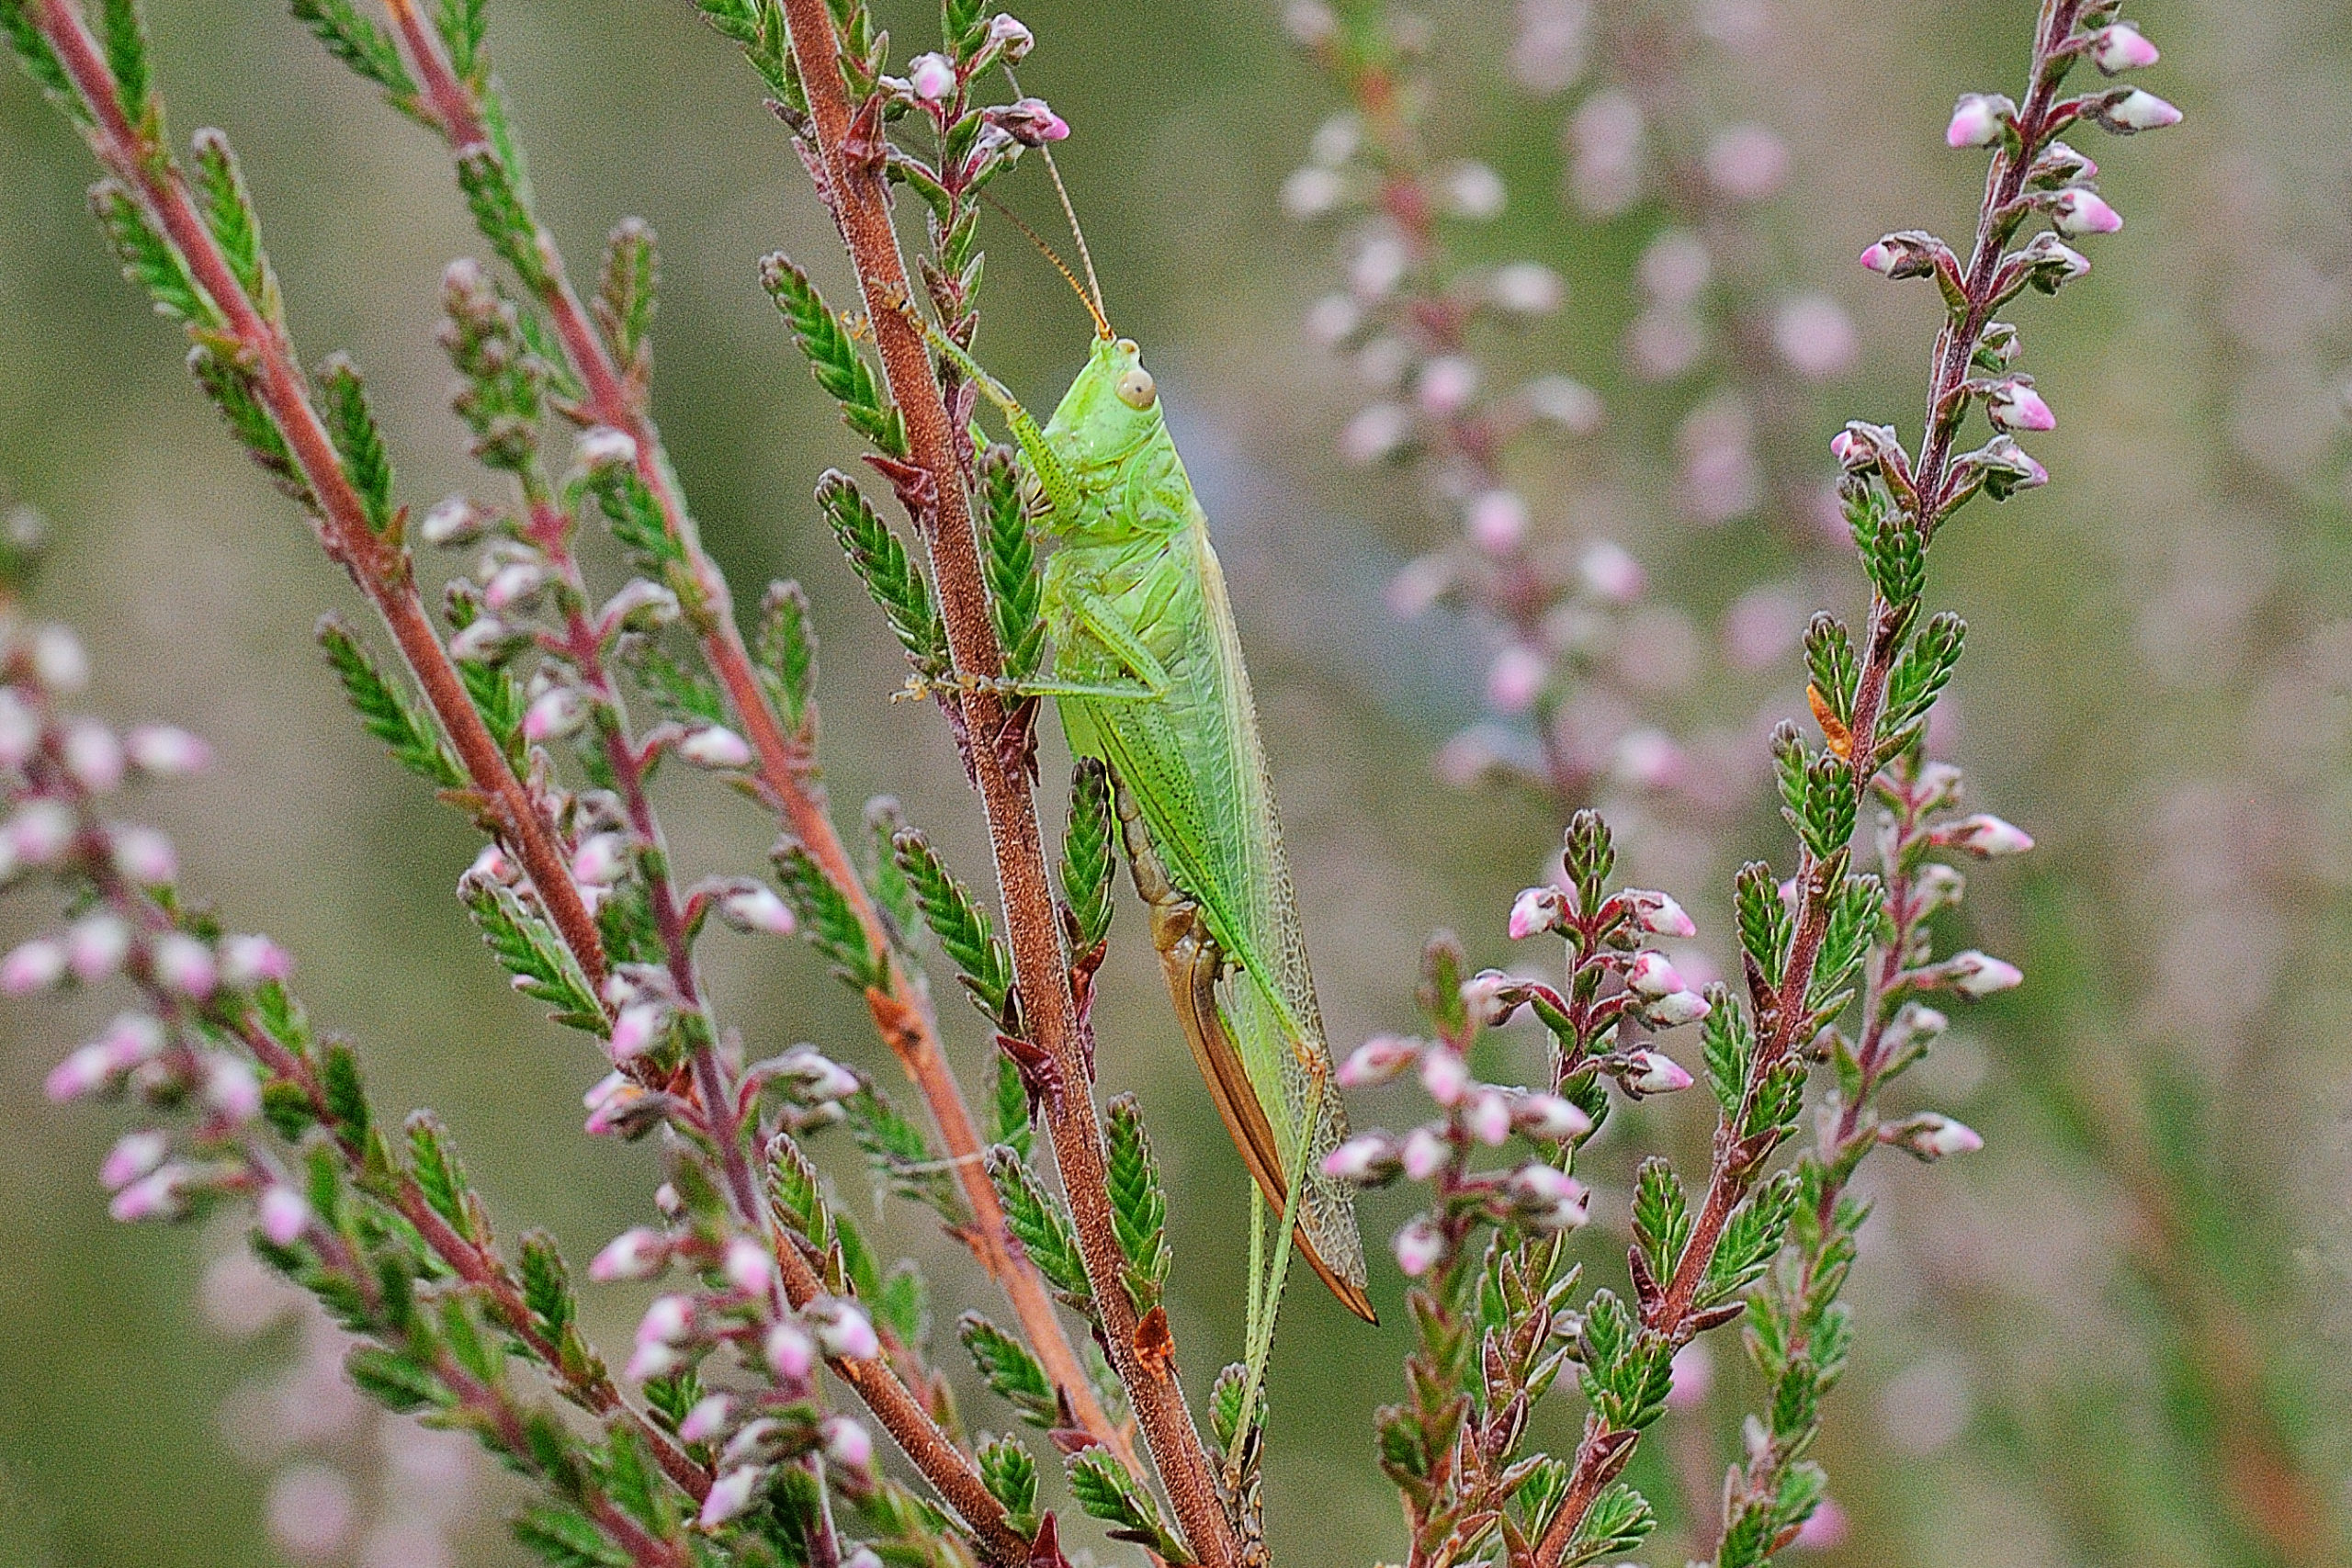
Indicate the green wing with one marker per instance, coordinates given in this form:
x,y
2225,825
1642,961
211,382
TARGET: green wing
x,y
1193,761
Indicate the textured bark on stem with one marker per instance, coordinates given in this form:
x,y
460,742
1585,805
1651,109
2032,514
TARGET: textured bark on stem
x,y
861,206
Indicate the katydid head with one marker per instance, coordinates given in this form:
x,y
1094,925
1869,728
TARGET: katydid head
x,y
1113,403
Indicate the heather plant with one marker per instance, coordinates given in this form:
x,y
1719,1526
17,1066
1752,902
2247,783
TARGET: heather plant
x,y
739,1428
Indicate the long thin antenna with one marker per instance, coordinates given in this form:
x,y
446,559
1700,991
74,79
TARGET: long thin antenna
x,y
1085,257
1092,302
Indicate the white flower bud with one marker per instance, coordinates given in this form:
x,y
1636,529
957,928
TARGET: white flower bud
x,y
602,860
1930,1137
1311,191
748,1268
1445,1075
1549,1119
93,756
1365,1159
1425,1154
714,746
1488,1117
232,1088
452,523
1978,121
1984,835
844,1330
554,713
1568,404
932,77
2122,48
248,959
40,830
1653,1073
604,447
730,1495
95,946
1527,288
1655,913
161,752
1475,191
2141,111
1540,908
707,1420
186,965
1651,975
639,1028
1419,1246
1378,1060
133,1156
1974,974
59,661
847,1443
640,1253
284,1214
758,910
35,966
1676,1009
143,855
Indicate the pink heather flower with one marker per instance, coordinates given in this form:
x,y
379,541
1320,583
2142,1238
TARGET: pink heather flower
x,y
789,1350
1537,909
2122,48
752,1441
39,831
932,76
35,966
248,959
1366,1159
59,661
1516,678
311,1512
89,1069
2081,210
231,1088
707,1420
133,1156
1653,1073
1825,1530
1419,1246
184,965
601,860
1497,520
1488,1117
1693,1373
1879,257
1030,122
1007,33
2141,111
1655,913
1527,288
1447,385
1815,337
94,757
714,746
1974,974
730,1495
161,1194
667,1321
2014,405
642,605
1445,1075
284,1214
491,865
864,1557
1538,1185
617,1109
605,447
1549,1119
145,856
1475,191
1564,401
1425,1153
1978,121
1610,573
637,1029
1651,975
95,945
1916,1021
1746,163
757,909
483,639
20,730
1985,835
748,1268
844,1331
1374,432
1378,1060
556,711
847,1443
514,585
637,1254
1931,1137
451,522
1674,1009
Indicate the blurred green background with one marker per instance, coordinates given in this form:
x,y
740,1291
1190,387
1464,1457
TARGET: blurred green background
x,y
2115,1335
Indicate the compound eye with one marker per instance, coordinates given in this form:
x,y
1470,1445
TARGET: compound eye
x,y
1136,388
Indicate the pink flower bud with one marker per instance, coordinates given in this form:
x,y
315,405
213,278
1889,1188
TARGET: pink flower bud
x,y
789,1350
1692,1372
1516,679
639,1028
1446,385
1549,1198
95,945
932,76
637,1254
554,713
756,909
143,856
20,730
668,1321
714,746
184,965
1367,1159
642,605
1418,1248
1879,257
844,1331
1651,975
1542,908
847,1443
284,1214
1378,1061
1676,1009
133,1156
2140,111
1825,1530
1007,33
620,1109
1374,432
231,1088
748,1268
604,447
1425,1154
94,757
515,586
1983,835
707,1420
2080,211
601,860
1649,1072
1655,913
1977,120
1974,974
451,522
1445,1075
161,1195
2122,48
730,1495
1488,1117
40,830
1030,122
248,959
1475,191
2014,405
1610,572
1564,401
1527,288
1498,520
484,639
35,966
89,1069
1549,1119
59,661
1930,1137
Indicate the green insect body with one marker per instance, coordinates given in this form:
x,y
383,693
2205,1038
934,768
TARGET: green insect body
x,y
1149,676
